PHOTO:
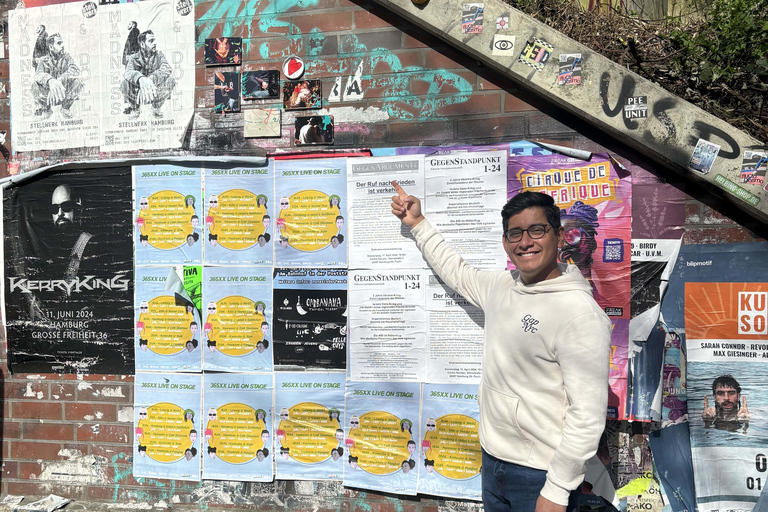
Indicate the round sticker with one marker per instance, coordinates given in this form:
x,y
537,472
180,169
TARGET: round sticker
x,y
293,68
184,7
89,9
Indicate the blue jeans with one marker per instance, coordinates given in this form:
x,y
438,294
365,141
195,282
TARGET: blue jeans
x,y
511,487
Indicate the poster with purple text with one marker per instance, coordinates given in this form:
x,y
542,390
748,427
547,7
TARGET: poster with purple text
x,y
595,210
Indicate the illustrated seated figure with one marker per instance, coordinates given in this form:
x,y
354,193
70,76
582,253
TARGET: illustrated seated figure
x,y
147,78
57,80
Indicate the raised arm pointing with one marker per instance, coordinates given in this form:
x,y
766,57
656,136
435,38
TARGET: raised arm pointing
x,y
406,208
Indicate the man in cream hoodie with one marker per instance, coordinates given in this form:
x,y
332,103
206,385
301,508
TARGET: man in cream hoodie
x,y
544,388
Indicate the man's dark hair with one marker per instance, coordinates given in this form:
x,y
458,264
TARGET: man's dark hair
x,y
211,236
265,431
142,448
525,200
193,431
726,381
143,342
428,462
211,449
143,237
143,37
265,217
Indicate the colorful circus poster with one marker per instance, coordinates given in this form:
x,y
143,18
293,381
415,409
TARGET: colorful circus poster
x,y
167,213
168,327
309,414
381,435
166,441
449,450
310,205
238,222
238,317
237,415
594,198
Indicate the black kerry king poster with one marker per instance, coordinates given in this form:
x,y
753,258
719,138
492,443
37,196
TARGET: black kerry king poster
x,y
68,278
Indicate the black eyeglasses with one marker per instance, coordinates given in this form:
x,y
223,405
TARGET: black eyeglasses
x,y
66,207
285,203
431,425
212,415
535,231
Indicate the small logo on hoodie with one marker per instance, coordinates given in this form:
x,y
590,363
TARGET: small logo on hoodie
x,y
529,323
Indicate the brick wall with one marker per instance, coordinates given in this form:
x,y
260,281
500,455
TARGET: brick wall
x,y
71,436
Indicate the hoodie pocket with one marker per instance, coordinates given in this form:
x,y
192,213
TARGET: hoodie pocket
x,y
501,429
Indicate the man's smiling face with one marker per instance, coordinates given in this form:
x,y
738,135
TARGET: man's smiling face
x,y
536,259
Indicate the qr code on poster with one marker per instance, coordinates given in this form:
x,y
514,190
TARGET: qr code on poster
x,y
109,140
613,250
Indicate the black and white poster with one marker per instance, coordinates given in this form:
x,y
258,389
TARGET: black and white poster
x,y
55,76
310,318
68,279
149,74
119,76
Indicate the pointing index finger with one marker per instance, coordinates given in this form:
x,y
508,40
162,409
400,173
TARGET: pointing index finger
x,y
400,192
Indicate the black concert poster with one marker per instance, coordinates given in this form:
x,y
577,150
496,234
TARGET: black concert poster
x,y
68,278
310,319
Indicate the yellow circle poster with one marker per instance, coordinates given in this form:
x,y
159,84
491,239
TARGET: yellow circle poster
x,y
309,219
451,446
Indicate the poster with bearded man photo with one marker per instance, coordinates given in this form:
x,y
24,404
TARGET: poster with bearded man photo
x,y
68,280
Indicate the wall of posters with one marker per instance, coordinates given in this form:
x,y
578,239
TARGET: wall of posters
x,y
308,425
134,91
237,419
311,211
449,451
310,318
238,317
167,213
168,325
238,224
69,272
166,426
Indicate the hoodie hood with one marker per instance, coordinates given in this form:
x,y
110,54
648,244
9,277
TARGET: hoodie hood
x,y
570,280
